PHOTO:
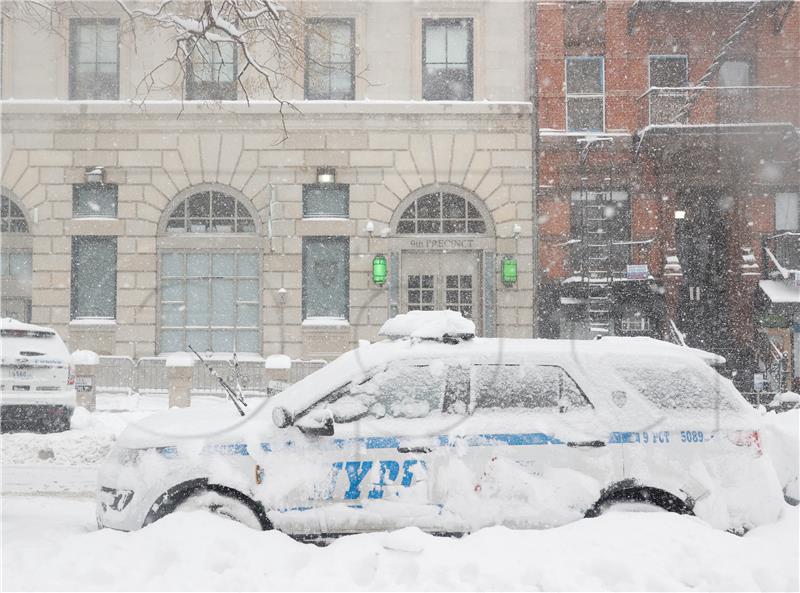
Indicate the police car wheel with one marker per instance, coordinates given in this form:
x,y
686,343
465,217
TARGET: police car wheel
x,y
222,505
631,507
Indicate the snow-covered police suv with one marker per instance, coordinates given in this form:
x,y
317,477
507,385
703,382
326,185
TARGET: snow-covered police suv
x,y
37,385
438,429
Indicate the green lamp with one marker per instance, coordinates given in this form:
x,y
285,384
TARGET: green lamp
x,y
379,270
509,270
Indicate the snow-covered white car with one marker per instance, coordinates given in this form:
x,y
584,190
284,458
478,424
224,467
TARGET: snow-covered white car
x,y
37,385
437,429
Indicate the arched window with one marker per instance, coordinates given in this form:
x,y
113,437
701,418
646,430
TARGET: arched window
x,y
441,212
12,220
16,256
210,212
210,295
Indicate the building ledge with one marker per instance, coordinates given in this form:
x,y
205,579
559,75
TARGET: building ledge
x,y
301,108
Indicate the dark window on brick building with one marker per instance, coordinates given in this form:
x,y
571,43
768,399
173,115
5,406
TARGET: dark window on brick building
x,y
590,207
666,74
447,59
584,24
585,94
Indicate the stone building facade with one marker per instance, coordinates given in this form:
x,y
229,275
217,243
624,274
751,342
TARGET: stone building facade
x,y
146,224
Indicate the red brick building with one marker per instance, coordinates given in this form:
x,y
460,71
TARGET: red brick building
x,y
668,159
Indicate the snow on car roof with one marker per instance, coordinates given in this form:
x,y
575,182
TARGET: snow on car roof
x,y
428,325
9,323
355,365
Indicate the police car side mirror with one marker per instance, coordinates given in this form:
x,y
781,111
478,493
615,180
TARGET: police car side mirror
x,y
281,417
317,423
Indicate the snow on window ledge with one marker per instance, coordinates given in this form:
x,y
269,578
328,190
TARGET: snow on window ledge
x,y
93,321
325,322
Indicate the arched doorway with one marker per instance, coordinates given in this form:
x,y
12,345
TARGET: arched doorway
x,y
444,253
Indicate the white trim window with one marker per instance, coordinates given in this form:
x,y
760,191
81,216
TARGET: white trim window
x,y
326,278
787,211
94,200
94,59
16,262
634,323
94,277
447,63
330,59
210,273
210,301
585,93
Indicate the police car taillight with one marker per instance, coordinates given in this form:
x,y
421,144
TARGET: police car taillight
x,y
71,377
746,438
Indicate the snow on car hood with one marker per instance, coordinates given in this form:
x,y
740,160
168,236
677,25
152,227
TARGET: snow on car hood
x,y
186,425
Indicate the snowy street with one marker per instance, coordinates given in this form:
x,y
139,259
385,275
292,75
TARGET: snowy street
x,y
51,542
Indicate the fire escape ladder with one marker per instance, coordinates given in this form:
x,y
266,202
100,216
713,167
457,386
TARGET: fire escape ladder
x,y
716,64
596,269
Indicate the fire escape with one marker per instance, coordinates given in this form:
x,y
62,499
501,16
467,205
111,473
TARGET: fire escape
x,y
596,271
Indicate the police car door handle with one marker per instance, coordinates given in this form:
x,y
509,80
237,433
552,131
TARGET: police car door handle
x,y
586,444
414,449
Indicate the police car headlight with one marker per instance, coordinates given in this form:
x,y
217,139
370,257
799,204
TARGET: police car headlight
x,y
128,456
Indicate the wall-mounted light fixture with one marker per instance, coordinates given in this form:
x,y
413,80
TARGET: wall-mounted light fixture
x,y
516,230
508,270
326,175
94,174
369,227
281,296
379,270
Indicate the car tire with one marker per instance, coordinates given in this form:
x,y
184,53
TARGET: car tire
x,y
223,505
639,500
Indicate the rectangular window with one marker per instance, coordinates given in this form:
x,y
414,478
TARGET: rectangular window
x,y
326,273
634,323
787,211
94,277
525,386
787,224
330,59
584,24
585,94
735,101
326,201
211,71
94,59
15,278
595,211
447,60
667,74
94,200
210,301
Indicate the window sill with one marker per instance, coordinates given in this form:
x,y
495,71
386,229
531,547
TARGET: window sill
x,y
93,323
325,322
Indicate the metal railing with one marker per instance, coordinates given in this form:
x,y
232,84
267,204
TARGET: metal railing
x,y
122,374
722,105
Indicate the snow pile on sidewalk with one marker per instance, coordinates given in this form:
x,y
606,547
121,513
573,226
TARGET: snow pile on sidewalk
x,y
198,551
